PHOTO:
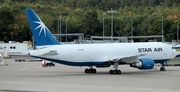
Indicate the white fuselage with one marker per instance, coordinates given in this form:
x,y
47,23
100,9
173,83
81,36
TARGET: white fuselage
x,y
105,52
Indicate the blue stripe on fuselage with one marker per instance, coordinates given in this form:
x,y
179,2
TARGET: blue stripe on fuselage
x,y
76,63
88,63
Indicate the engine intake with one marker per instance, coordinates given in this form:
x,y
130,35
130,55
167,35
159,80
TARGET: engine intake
x,y
144,63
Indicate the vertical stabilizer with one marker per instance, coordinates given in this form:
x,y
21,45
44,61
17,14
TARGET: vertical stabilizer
x,y
41,33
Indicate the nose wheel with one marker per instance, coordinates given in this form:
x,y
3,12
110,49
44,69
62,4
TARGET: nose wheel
x,y
162,67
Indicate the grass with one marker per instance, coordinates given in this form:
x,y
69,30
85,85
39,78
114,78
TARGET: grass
x,y
174,61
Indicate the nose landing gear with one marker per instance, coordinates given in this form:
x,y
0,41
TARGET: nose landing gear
x,y
162,67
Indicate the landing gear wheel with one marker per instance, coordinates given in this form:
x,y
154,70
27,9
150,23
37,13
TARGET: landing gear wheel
x,y
162,69
90,70
93,70
86,71
111,72
118,71
115,72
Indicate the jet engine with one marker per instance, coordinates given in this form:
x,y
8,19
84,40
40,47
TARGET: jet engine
x,y
144,63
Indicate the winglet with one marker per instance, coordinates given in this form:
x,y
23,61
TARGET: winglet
x,y
41,33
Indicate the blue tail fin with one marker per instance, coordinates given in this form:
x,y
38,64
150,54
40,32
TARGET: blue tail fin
x,y
41,33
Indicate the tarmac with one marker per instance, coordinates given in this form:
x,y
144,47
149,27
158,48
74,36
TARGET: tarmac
x,y
32,77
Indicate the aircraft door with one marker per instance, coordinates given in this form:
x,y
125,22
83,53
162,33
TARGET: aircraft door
x,y
165,50
71,55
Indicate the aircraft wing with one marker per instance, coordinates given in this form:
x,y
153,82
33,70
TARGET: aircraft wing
x,y
129,59
122,59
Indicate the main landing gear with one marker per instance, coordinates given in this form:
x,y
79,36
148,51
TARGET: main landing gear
x,y
91,70
116,71
162,67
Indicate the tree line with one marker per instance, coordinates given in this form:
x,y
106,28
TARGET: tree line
x,y
86,16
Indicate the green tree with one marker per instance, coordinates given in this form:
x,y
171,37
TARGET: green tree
x,y
6,24
90,23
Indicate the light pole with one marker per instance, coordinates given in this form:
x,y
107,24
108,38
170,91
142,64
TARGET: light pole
x,y
162,27
177,30
103,26
58,25
66,30
131,22
112,12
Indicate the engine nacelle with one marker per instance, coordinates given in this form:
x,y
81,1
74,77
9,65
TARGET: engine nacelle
x,y
144,63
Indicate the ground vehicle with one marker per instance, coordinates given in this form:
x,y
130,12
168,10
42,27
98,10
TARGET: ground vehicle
x,y
46,63
19,60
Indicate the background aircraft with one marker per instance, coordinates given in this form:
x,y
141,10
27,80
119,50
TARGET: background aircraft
x,y
137,55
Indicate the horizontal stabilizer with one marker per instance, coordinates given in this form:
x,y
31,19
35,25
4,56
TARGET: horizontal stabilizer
x,y
43,52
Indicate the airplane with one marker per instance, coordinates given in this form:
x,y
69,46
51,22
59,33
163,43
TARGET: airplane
x,y
142,55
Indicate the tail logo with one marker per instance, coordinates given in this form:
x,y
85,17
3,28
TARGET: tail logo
x,y
41,33
42,26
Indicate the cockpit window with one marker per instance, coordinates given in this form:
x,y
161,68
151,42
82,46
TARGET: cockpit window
x,y
176,48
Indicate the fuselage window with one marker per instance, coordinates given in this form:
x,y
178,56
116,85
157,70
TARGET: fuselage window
x,y
12,47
